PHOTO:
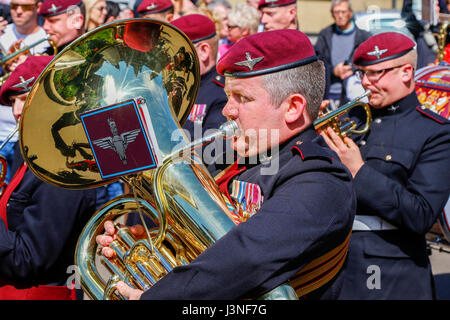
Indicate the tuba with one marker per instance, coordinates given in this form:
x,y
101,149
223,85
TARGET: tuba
x,y
153,64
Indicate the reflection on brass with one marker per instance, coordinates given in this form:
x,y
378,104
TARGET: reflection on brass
x,y
113,63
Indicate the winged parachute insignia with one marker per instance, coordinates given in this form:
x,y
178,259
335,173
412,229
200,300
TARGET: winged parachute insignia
x,y
377,52
249,63
118,143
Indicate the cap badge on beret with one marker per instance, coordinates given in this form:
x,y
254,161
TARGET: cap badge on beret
x,y
152,6
23,83
377,52
249,63
54,8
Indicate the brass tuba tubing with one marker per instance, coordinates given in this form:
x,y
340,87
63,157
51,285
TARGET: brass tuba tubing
x,y
347,127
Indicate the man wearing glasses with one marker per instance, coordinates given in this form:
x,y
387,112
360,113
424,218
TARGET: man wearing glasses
x,y
401,176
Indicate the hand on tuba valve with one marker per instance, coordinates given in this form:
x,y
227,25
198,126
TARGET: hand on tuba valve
x,y
344,127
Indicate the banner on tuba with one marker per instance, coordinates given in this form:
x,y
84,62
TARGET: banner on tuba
x,y
122,138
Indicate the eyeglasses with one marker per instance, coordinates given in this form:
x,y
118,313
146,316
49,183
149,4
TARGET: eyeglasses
x,y
25,7
231,27
373,75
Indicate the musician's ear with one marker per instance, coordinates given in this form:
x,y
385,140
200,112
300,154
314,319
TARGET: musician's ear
x,y
75,19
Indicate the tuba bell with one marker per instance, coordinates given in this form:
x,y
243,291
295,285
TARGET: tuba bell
x,y
155,64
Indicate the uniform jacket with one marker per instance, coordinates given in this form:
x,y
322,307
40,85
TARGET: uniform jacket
x,y
308,210
212,95
406,181
44,223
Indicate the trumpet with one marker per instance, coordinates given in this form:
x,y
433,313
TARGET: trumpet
x,y
25,50
345,127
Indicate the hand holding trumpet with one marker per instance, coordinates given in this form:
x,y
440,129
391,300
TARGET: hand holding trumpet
x,y
346,149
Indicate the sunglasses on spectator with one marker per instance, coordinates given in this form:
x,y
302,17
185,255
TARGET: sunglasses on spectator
x,y
25,7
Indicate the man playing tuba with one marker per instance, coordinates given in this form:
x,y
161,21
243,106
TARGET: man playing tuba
x,y
296,204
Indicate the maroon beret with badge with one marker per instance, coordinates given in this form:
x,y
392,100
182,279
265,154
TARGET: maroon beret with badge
x,y
382,47
23,77
274,3
197,27
51,8
154,6
267,52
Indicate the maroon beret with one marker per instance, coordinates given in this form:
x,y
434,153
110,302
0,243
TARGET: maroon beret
x,y
197,27
267,52
274,3
154,6
382,47
23,77
51,8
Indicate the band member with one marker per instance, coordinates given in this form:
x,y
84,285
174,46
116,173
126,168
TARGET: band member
x,y
63,21
300,213
207,110
401,177
278,14
156,9
39,223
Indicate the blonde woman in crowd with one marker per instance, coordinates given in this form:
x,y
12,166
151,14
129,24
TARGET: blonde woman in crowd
x,y
243,20
95,13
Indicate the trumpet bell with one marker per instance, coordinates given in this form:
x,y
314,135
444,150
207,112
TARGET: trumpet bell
x,y
118,61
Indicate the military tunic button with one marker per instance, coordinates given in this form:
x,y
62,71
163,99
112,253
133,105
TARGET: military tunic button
x,y
388,157
377,120
362,143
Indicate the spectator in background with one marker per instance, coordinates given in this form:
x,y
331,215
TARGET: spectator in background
x,y
335,45
126,13
254,4
112,11
220,10
243,20
95,13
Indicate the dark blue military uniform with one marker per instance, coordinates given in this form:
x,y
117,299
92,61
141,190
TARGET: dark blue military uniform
x,y
405,181
308,209
212,95
44,223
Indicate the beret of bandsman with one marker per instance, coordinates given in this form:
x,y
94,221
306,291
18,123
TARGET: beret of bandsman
x,y
154,6
197,27
274,3
260,53
23,77
383,47
51,8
